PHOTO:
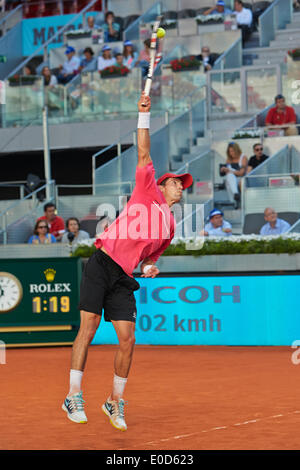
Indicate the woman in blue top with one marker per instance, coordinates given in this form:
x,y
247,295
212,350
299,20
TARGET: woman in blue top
x,y
130,56
41,234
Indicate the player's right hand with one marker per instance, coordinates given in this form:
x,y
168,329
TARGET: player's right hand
x,y
144,103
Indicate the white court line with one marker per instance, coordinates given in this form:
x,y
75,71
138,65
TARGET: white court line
x,y
217,428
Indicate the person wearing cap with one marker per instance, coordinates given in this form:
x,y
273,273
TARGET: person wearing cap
x,y
130,56
70,67
105,60
217,226
280,115
220,8
139,235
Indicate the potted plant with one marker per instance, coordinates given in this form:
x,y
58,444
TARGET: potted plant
x,y
114,71
294,54
209,19
21,80
185,63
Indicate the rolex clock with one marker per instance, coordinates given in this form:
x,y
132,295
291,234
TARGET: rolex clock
x,y
11,292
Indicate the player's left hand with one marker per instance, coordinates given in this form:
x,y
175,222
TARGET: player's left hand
x,y
152,272
144,103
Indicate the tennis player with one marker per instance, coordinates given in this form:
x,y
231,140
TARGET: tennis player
x,y
141,233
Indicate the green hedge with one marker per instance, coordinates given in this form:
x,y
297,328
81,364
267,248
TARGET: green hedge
x,y
227,247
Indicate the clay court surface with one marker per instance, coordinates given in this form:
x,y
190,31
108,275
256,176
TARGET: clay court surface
x,y
181,398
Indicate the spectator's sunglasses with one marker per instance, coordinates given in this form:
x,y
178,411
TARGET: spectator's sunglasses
x,y
42,226
257,149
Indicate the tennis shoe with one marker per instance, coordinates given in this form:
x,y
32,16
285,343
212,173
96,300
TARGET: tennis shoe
x,y
114,409
74,406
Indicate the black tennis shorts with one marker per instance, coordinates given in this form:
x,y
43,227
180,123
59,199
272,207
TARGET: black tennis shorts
x,y
105,285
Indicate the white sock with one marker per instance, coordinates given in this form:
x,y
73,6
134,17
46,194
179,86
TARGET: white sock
x,y
75,381
119,385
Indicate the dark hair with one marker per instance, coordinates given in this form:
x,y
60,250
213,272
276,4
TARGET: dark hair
x,y
31,69
109,13
279,97
35,231
147,42
125,50
89,49
255,145
239,1
48,205
69,220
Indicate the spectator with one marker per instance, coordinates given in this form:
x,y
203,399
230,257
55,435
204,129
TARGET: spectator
x,y
103,224
130,56
274,226
55,223
89,62
217,226
91,23
70,67
235,169
206,58
111,28
74,234
144,57
119,60
106,60
29,70
244,19
219,8
41,234
49,78
282,114
258,157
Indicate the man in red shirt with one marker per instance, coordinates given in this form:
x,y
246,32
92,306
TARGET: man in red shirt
x,y
56,224
141,233
282,114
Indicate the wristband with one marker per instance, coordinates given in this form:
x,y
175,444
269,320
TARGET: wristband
x,y
144,121
147,267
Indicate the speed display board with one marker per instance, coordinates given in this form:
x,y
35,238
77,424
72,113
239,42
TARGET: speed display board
x,y
39,301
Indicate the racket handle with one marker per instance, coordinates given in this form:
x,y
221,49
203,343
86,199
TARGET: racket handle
x,y
147,88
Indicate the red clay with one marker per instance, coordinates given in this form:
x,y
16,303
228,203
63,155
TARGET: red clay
x,y
178,398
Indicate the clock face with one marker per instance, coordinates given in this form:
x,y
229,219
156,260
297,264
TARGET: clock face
x,y
11,292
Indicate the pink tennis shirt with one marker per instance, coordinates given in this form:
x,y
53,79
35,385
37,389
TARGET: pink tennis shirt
x,y
144,229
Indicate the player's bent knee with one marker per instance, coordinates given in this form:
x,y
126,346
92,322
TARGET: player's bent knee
x,y
127,342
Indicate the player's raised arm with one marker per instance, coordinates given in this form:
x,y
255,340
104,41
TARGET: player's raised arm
x,y
143,136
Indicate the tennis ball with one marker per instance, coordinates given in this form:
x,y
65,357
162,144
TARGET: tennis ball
x,y
161,32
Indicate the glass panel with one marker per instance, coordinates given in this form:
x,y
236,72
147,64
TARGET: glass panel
x,y
180,136
24,100
202,171
141,28
226,95
290,75
115,176
261,88
276,165
283,13
266,27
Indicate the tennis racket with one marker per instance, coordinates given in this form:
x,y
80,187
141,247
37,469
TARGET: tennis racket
x,y
153,42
